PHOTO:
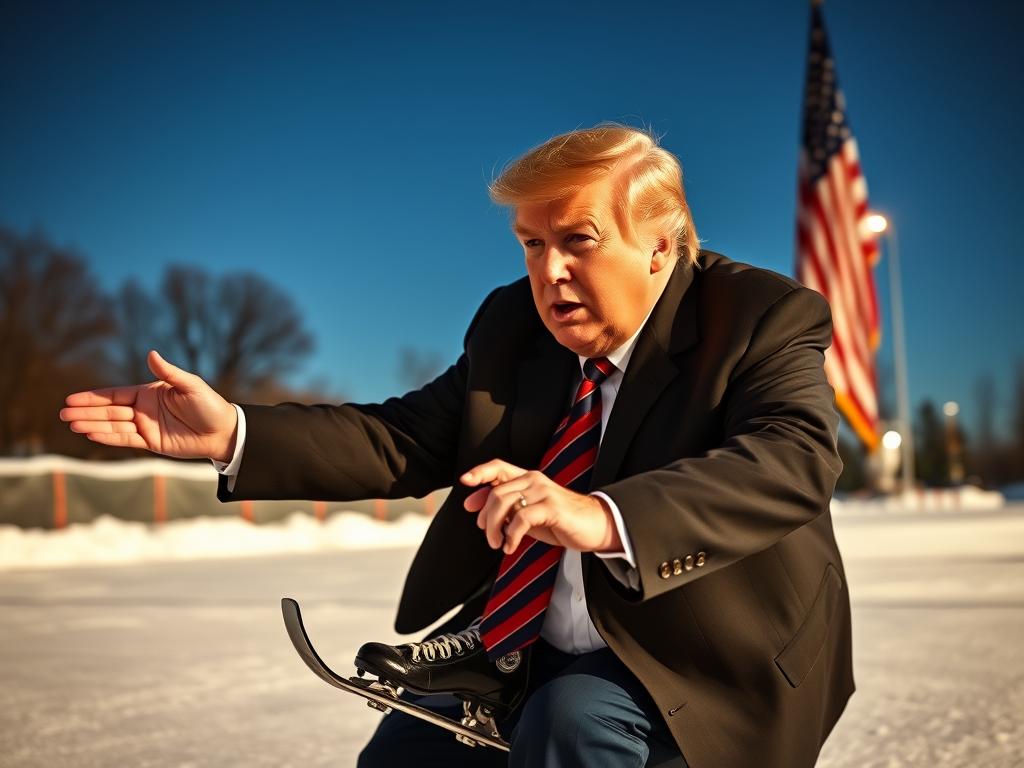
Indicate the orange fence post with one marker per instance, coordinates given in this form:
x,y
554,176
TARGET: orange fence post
x,y
159,499
380,509
60,501
248,511
320,510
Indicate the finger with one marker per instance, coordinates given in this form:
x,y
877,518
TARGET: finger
x,y
98,413
177,377
496,513
106,396
506,495
517,485
102,426
476,500
491,471
525,521
120,439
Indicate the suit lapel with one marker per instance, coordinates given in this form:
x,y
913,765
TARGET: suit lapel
x,y
670,330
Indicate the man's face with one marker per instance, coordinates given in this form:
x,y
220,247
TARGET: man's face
x,y
592,285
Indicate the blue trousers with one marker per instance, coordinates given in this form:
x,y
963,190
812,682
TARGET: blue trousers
x,y
586,710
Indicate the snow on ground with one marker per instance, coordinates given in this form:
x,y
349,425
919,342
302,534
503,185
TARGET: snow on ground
x,y
109,540
964,498
876,528
912,535
128,469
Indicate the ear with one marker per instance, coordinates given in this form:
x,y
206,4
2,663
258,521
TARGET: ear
x,y
661,254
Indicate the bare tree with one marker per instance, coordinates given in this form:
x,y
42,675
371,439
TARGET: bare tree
x,y
1016,450
313,392
54,320
238,331
985,396
930,452
139,320
186,294
258,334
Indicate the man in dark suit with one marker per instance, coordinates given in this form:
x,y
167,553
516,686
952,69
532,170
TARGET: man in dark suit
x,y
698,597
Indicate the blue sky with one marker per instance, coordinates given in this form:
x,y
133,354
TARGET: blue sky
x,y
343,150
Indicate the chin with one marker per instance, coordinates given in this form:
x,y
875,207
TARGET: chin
x,y
579,338
584,347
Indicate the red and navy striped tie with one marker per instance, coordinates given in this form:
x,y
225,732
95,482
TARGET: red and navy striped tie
x,y
514,613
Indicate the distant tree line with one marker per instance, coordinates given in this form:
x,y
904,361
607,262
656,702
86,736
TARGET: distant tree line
x,y
992,459
944,449
61,333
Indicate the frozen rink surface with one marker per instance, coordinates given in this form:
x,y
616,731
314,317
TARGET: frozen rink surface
x,y
187,663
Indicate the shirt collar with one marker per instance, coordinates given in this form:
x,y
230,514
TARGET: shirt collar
x,y
619,357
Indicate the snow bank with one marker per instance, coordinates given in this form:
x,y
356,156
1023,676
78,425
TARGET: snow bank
x,y
108,540
128,469
965,498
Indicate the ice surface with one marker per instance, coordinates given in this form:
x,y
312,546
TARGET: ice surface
x,y
186,662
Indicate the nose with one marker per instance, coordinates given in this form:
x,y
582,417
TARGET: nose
x,y
554,267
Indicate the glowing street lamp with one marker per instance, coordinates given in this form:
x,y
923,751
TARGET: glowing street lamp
x,y
892,440
954,450
877,223
886,230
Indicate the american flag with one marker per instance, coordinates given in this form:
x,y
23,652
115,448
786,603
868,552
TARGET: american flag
x,y
835,251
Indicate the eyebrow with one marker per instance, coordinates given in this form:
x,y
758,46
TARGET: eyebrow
x,y
560,227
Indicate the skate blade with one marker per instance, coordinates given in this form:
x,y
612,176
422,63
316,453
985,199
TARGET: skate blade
x,y
477,717
380,687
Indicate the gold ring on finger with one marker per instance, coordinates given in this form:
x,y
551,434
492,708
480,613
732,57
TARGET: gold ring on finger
x,y
522,502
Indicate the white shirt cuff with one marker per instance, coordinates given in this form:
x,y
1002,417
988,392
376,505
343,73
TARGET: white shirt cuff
x,y
621,564
230,469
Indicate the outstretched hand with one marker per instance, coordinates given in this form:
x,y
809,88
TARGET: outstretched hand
x,y
552,513
178,415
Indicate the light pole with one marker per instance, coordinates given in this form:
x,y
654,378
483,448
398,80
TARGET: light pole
x,y
953,447
882,226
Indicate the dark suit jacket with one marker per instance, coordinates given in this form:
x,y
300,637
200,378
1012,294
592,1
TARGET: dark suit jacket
x,y
721,455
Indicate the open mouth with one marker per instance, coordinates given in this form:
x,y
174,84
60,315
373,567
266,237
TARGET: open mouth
x,y
566,310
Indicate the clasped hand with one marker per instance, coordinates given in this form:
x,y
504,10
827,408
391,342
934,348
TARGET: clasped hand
x,y
552,513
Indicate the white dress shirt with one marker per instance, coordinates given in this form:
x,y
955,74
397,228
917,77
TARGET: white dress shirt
x,y
567,624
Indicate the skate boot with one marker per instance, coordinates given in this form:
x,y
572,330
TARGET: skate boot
x,y
455,664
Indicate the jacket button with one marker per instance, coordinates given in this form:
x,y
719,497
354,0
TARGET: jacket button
x,y
665,570
677,567
701,559
688,563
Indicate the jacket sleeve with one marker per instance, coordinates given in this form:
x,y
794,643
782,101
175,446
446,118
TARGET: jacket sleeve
x,y
774,472
405,446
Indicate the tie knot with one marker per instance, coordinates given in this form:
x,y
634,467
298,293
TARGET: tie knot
x,y
597,369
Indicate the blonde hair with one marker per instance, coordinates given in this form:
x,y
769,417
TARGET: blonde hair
x,y
652,178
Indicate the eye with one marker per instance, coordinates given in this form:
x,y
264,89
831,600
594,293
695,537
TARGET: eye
x,y
577,237
533,242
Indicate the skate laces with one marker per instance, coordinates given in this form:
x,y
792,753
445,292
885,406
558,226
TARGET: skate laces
x,y
444,645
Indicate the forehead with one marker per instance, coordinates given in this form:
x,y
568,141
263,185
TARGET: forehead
x,y
592,205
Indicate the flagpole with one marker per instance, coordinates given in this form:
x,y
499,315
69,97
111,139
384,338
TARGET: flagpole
x,y
900,355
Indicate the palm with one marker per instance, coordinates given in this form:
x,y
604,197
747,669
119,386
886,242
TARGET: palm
x,y
179,415
171,422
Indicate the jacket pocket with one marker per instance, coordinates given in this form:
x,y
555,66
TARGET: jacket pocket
x,y
800,653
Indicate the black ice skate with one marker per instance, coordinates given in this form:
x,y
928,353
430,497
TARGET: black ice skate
x,y
455,664
486,694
